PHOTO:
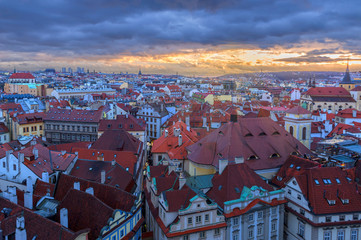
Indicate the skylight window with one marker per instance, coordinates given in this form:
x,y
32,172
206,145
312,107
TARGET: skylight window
x,y
291,166
348,179
317,182
338,181
326,181
298,168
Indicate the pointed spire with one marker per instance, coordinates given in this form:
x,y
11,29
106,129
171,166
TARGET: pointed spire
x,y
347,78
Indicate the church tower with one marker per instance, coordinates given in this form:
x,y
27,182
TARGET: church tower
x,y
298,123
347,82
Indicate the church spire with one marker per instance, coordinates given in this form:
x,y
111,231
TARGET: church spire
x,y
347,78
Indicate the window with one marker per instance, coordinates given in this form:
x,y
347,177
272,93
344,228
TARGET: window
x,y
260,229
41,127
250,217
235,236
355,216
216,231
235,221
190,220
198,219
186,237
317,182
14,167
301,229
338,180
291,130
341,235
260,214
122,233
354,234
328,219
327,235
274,210
206,218
298,196
202,234
274,225
4,165
304,135
250,232
302,211
342,218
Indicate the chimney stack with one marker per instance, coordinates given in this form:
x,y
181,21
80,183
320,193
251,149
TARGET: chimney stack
x,y
222,164
64,217
20,232
77,185
238,160
90,191
12,194
113,162
166,133
180,140
102,177
188,123
29,184
204,121
182,180
45,177
21,157
28,200
36,153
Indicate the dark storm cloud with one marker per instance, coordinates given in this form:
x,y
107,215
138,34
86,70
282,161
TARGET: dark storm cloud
x,y
67,27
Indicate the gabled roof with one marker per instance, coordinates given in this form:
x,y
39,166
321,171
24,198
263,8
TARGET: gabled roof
x,y
298,110
115,175
262,142
178,199
22,76
28,118
170,144
73,115
117,140
320,186
327,91
348,113
125,122
294,166
228,185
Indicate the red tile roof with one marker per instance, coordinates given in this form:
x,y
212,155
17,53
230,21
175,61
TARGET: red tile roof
x,y
179,199
319,194
358,89
73,115
117,140
298,110
294,166
327,91
262,142
3,128
125,122
47,160
348,113
170,144
22,76
229,185
29,118
115,175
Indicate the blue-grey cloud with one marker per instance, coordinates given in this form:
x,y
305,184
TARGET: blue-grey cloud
x,y
97,27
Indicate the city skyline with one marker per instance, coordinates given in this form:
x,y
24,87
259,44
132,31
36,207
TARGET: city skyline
x,y
188,37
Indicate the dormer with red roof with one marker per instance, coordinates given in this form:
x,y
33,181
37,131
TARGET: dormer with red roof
x,y
320,199
348,116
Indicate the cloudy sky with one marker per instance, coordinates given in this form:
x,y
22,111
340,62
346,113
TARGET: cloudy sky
x,y
197,37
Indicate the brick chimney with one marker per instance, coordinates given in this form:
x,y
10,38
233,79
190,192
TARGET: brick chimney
x,y
102,176
180,140
20,232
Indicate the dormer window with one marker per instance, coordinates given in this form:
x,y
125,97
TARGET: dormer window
x,y
331,202
279,178
249,135
252,157
262,134
276,133
275,155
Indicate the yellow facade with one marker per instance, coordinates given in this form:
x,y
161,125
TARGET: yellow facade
x,y
223,98
35,129
300,127
348,87
195,169
35,89
209,99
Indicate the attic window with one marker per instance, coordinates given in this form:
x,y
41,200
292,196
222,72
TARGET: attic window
x,y
298,168
338,181
326,181
252,157
109,125
220,154
120,126
249,135
131,125
237,190
291,166
262,134
345,201
317,182
331,202
279,178
276,133
275,155
220,187
348,179
295,153
220,133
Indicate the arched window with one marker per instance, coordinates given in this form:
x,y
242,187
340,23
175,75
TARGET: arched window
x,y
304,133
291,130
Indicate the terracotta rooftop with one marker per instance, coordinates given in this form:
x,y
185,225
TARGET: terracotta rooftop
x,y
21,76
73,115
262,142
